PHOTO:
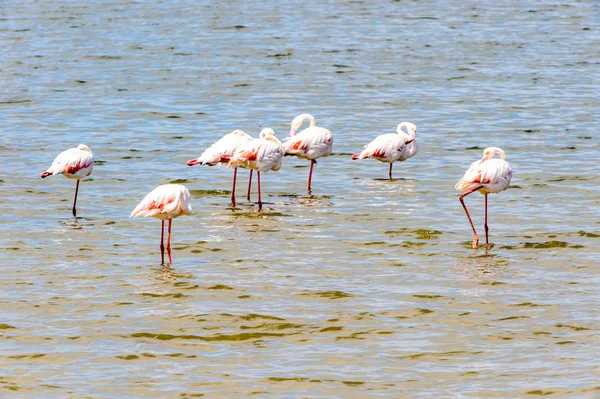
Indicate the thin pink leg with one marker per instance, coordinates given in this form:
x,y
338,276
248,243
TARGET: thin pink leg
x,y
75,199
485,223
233,187
249,185
259,200
162,247
391,170
169,241
460,198
312,162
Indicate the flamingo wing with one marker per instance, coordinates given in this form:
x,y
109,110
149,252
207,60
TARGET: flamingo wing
x,y
386,148
246,156
311,143
224,147
269,156
495,174
165,202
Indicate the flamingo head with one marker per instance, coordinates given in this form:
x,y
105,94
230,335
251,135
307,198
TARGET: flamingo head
x,y
192,162
83,147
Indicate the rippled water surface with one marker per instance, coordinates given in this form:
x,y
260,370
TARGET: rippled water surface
x,y
369,287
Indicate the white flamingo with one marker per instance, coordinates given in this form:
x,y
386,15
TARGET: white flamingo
x,y
261,154
221,151
74,163
489,175
311,143
392,147
165,202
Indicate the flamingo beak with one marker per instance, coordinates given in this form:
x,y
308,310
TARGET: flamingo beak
x,y
192,162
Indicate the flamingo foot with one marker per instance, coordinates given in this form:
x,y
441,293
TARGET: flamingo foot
x,y
475,242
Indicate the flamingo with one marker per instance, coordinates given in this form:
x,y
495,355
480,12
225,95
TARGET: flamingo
x,y
261,155
312,143
220,152
489,175
165,202
392,147
74,163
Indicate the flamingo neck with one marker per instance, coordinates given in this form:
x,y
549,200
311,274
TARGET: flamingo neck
x,y
411,132
299,120
489,153
309,118
414,148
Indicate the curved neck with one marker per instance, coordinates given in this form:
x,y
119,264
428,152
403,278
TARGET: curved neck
x,y
489,153
414,148
410,132
309,118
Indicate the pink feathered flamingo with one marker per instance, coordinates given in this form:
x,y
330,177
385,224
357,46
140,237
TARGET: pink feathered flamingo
x,y
74,163
165,202
489,175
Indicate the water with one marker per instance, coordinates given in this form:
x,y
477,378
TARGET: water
x,y
369,288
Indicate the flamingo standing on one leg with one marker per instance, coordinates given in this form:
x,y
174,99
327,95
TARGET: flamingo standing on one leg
x,y
74,163
392,147
261,155
221,151
312,143
489,175
165,202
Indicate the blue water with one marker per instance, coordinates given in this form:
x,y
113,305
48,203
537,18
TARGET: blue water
x,y
368,288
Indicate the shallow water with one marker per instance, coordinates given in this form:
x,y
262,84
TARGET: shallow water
x,y
368,288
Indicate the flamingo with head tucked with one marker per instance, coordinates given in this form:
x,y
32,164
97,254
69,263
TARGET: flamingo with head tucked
x,y
74,163
165,202
262,155
392,147
311,143
489,175
221,151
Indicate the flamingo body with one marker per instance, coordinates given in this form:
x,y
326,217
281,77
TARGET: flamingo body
x,y
492,175
262,155
489,175
392,147
225,147
165,202
221,152
74,163
311,143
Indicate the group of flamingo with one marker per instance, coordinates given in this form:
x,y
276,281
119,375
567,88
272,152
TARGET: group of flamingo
x,y
489,175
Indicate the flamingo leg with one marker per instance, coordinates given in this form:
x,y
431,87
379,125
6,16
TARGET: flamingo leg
x,y
169,241
312,162
162,247
391,170
460,198
485,223
233,187
259,199
249,185
75,199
